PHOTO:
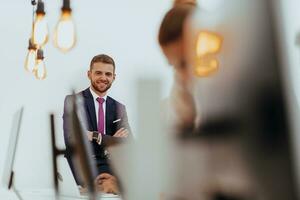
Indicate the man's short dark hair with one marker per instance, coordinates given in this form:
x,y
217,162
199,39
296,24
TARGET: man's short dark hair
x,y
171,28
102,58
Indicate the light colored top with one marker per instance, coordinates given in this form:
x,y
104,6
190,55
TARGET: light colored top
x,y
95,96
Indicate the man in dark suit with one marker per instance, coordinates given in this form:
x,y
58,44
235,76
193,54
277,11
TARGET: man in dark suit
x,y
105,119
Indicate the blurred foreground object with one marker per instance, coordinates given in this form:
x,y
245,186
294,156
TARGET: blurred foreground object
x,y
80,149
107,183
242,146
239,146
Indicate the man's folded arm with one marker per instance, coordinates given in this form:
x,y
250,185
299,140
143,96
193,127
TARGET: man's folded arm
x,y
124,123
108,140
124,131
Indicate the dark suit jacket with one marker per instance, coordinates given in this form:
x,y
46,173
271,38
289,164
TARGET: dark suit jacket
x,y
115,118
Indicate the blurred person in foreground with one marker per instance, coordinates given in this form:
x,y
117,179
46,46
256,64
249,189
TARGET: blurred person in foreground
x,y
181,106
229,154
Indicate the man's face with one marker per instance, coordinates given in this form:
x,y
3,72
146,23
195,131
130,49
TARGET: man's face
x,y
101,76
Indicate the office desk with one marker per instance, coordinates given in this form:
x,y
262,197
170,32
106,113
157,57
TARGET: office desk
x,y
44,195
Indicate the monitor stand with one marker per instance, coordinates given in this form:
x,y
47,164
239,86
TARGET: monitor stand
x,y
12,187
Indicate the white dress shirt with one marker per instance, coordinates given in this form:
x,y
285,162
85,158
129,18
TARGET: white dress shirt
x,y
95,96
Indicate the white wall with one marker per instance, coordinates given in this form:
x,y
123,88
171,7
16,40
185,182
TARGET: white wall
x,y
125,29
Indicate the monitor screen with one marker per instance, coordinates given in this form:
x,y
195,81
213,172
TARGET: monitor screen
x,y
12,147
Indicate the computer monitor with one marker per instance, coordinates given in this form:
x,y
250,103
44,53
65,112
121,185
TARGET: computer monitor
x,y
81,149
12,148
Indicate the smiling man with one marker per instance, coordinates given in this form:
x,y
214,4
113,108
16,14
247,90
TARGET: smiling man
x,y
105,118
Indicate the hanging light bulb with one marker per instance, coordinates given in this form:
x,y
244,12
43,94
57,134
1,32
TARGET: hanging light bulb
x,y
208,45
40,69
65,33
40,27
31,57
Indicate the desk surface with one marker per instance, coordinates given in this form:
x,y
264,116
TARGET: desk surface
x,y
46,195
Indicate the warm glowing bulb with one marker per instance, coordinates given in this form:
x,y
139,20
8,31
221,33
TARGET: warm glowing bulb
x,y
31,57
40,68
206,67
208,45
30,60
65,34
40,71
40,30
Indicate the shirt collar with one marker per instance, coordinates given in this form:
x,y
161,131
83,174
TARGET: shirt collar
x,y
95,96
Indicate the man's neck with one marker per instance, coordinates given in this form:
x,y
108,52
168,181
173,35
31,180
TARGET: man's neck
x,y
98,93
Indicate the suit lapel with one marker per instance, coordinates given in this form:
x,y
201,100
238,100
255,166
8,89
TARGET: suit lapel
x,y
109,115
90,109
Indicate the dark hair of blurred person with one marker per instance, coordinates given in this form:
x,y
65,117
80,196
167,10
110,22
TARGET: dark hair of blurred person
x,y
170,36
178,2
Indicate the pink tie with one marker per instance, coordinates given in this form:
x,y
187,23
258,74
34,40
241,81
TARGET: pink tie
x,y
100,116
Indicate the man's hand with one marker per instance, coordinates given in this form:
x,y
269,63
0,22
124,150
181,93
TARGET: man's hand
x,y
90,135
106,183
122,132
